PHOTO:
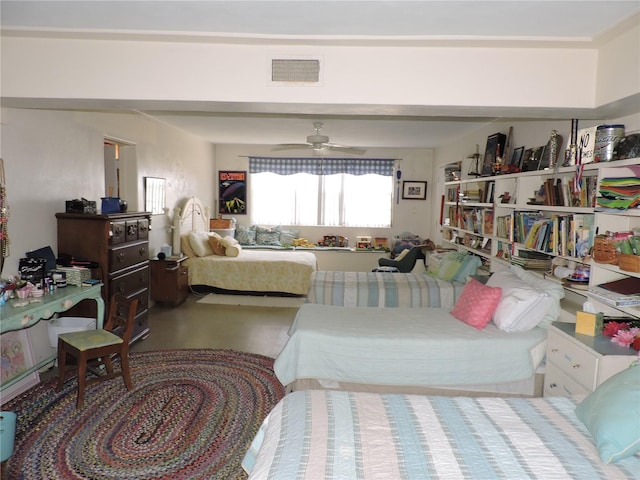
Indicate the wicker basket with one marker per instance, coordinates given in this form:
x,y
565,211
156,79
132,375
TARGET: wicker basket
x,y
604,251
219,223
629,263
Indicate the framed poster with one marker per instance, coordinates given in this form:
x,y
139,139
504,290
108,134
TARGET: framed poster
x,y
232,192
414,190
495,142
17,356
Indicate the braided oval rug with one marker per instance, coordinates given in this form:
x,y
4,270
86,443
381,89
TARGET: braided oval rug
x,y
191,415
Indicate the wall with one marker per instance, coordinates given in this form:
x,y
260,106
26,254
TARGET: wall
x,y
408,215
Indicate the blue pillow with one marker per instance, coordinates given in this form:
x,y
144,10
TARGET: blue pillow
x,y
611,413
468,268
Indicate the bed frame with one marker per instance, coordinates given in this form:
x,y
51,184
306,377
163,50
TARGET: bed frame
x,y
191,216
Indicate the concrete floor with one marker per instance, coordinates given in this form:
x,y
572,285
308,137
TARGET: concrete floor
x,y
261,330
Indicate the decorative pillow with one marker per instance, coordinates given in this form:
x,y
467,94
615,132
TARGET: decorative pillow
x,y
527,301
246,235
216,244
199,242
287,236
468,268
268,236
233,250
611,413
185,246
450,265
476,304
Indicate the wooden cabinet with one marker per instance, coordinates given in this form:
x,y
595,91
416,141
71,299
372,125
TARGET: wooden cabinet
x,y
119,244
169,281
577,364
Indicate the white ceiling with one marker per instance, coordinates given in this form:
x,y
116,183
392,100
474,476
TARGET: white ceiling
x,y
299,21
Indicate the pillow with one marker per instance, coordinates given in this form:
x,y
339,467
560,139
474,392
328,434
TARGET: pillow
x,y
527,301
246,235
287,236
185,246
476,304
268,236
233,250
215,241
468,268
199,242
450,265
611,413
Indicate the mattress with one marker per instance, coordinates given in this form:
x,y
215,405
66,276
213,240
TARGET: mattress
x,y
255,271
404,346
347,435
381,289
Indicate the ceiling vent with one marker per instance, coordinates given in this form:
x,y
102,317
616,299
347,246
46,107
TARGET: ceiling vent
x,y
295,70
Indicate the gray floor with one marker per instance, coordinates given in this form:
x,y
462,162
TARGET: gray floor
x,y
261,330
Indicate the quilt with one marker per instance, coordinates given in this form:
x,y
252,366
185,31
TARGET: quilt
x,y
381,289
353,436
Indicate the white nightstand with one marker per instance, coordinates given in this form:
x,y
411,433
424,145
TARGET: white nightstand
x,y
577,364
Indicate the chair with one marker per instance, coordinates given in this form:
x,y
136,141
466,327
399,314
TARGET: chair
x,y
406,263
99,346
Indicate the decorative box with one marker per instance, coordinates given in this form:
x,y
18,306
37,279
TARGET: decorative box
x,y
80,206
589,323
363,243
75,275
110,205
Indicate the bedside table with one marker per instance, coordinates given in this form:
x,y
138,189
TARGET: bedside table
x,y
577,364
169,280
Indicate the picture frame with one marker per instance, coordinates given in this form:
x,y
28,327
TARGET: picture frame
x,y
154,195
490,152
232,192
17,356
413,190
516,158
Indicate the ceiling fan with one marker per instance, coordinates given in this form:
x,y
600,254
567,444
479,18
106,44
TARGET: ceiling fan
x,y
320,143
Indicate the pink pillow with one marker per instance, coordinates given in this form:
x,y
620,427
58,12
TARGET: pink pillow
x,y
476,304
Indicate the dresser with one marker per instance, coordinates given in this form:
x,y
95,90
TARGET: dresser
x,y
577,364
169,280
119,244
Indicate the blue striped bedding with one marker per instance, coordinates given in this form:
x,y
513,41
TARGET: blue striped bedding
x,y
346,435
380,289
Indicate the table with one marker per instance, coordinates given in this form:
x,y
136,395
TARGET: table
x,y
16,318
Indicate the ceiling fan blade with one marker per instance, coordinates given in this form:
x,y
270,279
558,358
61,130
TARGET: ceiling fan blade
x,y
345,149
291,146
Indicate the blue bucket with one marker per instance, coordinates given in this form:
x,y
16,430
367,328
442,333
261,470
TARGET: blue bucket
x,y
7,434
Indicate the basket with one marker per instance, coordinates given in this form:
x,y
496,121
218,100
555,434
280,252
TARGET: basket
x,y
604,251
219,223
629,263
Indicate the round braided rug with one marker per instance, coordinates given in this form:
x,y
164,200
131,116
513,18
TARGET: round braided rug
x,y
192,414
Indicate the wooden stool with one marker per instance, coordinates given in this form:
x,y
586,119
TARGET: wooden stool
x,y
98,346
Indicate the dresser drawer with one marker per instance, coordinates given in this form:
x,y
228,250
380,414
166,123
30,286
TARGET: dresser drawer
x,y
576,362
143,229
117,232
131,281
128,255
559,384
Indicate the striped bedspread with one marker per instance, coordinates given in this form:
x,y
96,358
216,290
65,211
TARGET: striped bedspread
x,y
380,289
346,435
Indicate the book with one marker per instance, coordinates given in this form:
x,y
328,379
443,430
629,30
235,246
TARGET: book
x,y
624,286
612,298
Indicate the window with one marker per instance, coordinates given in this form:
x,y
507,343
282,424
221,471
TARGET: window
x,y
312,191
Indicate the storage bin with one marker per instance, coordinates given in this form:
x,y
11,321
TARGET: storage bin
x,y
224,232
7,434
61,325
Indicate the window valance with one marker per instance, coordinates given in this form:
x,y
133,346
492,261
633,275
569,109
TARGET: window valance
x,y
322,166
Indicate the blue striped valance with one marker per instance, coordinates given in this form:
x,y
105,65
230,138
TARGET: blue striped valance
x,y
322,166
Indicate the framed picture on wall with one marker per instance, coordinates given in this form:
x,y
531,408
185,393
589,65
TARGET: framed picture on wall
x,y
232,192
414,190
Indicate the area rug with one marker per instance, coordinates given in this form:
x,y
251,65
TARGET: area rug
x,y
253,300
192,414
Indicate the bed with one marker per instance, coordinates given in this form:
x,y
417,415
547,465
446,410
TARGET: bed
x,y
358,435
268,271
439,286
492,341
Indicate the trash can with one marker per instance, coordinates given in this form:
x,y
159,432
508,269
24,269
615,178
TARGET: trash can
x,y
7,434
61,325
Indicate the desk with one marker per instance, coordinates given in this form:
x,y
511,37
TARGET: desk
x,y
16,318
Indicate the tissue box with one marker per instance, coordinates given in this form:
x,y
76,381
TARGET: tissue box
x,y
589,323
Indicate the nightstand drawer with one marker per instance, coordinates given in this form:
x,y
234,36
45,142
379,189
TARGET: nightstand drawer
x,y
578,363
559,384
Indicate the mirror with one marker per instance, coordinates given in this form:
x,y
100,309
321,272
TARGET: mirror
x,y
154,199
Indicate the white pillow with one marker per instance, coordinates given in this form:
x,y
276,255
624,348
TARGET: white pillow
x,y
199,242
526,302
233,250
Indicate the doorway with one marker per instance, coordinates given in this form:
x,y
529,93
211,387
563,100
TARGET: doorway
x,y
120,171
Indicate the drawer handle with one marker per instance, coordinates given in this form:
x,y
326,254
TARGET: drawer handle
x,y
142,251
121,257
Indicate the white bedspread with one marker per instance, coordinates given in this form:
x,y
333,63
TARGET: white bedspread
x,y
403,346
362,436
255,271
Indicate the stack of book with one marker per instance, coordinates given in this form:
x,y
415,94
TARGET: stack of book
x,y
619,293
532,260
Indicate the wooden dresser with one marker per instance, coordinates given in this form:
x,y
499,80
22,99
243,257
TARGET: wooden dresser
x,y
119,244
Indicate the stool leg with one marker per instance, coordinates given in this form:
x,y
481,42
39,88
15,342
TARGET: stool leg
x,y
82,377
62,363
126,374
